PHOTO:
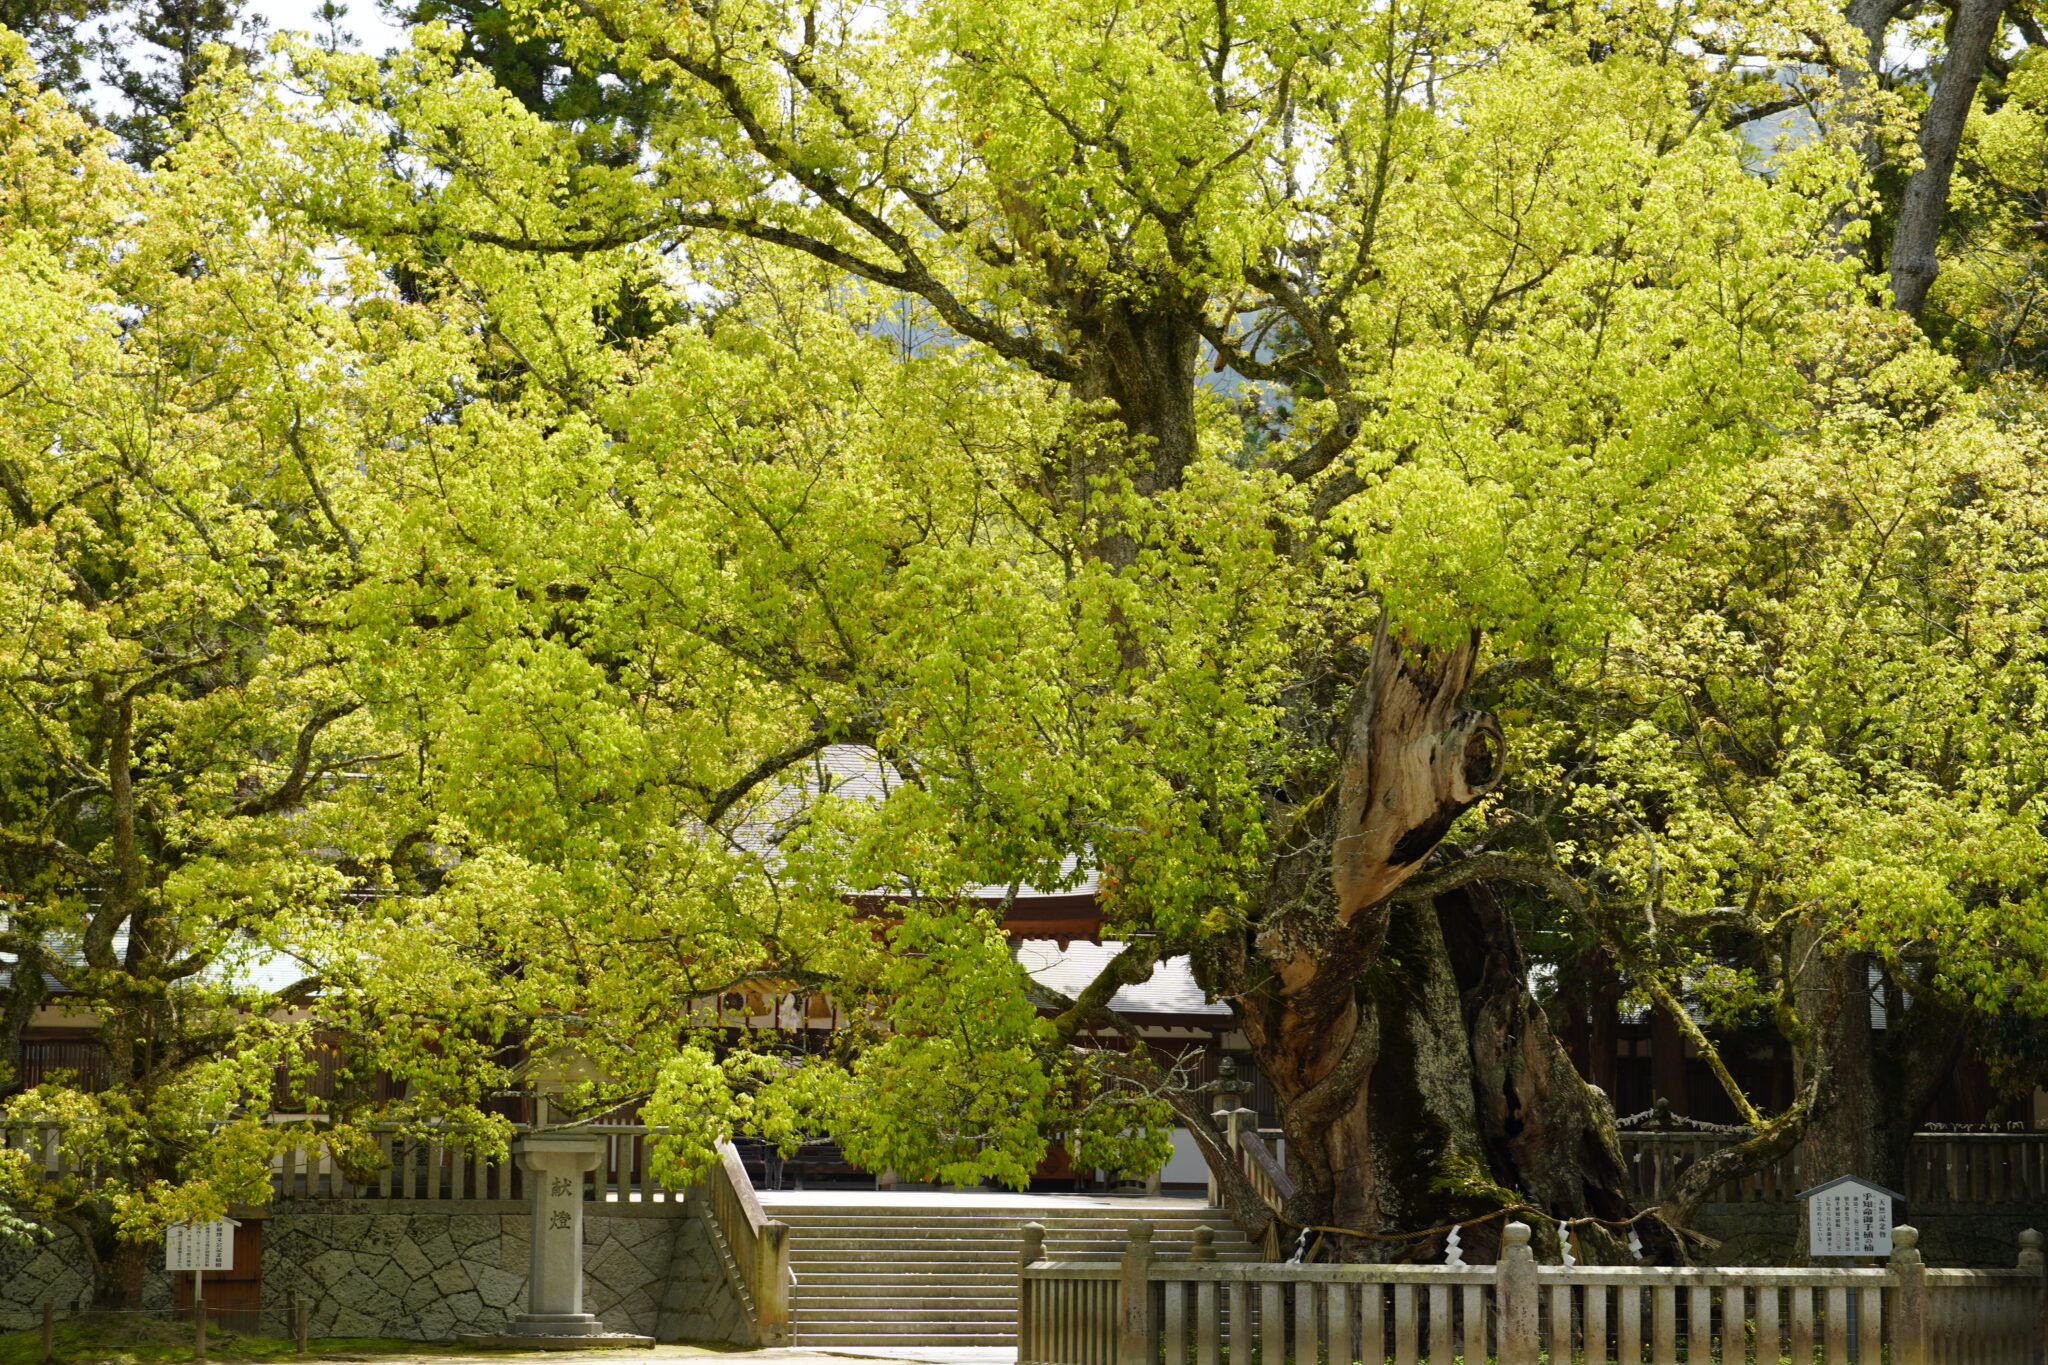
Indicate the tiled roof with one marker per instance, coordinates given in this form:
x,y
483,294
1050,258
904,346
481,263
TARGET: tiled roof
x,y
1171,989
71,952
857,772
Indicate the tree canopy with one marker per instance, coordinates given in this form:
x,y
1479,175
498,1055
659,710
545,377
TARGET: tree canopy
x,y
1350,481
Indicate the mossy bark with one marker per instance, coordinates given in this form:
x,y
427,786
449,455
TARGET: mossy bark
x,y
1418,1082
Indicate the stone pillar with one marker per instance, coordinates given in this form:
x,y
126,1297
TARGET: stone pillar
x,y
1028,1305
1515,1290
555,1165
1911,1340
1134,1344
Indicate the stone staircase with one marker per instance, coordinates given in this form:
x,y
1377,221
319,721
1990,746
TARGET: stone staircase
x,y
892,1273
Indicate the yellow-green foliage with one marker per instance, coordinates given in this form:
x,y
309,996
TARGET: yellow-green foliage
x,y
784,433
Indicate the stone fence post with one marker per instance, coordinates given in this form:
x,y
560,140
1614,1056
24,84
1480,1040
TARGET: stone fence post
x,y
2031,1259
1515,1294
1231,1121
1911,1344
1134,1300
1029,1253
771,1282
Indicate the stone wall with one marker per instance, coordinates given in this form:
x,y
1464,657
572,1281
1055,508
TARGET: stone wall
x,y
438,1271
35,1273
431,1272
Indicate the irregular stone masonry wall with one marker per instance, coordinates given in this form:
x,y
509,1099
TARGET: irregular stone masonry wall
x,y
372,1269
429,1276
35,1273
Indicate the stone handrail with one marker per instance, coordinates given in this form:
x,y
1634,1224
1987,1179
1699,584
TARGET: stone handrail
x,y
758,1244
1268,1178
1144,1311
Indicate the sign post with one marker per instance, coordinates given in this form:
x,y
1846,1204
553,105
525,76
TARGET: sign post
x,y
1850,1218
200,1247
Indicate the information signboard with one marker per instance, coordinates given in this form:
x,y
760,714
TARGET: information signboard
x,y
200,1246
1849,1217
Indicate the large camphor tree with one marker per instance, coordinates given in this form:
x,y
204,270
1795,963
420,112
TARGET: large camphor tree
x,y
1159,432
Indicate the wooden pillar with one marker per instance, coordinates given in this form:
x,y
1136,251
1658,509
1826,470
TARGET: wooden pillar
x,y
2031,1260
1667,1063
1032,1251
1603,1042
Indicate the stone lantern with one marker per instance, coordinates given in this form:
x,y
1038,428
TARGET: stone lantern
x,y
555,1163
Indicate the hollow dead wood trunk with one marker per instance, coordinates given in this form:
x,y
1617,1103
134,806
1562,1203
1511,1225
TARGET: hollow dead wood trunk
x,y
1417,1080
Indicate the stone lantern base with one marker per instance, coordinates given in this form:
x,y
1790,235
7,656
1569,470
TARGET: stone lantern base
x,y
555,1164
557,1341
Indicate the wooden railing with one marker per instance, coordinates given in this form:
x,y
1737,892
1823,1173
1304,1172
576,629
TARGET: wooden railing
x,y
1143,1311
410,1165
757,1245
1951,1168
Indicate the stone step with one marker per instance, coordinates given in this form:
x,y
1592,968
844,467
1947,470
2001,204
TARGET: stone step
x,y
965,1237
943,1280
848,1249
908,1339
1005,1218
906,1276
1116,1225
1107,1240
907,1273
896,1302
850,1320
985,1241
910,1264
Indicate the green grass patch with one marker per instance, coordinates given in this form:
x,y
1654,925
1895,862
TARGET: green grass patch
x,y
157,1341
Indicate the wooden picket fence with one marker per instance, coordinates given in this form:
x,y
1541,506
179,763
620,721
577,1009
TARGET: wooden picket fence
x,y
1146,1311
1941,1168
413,1166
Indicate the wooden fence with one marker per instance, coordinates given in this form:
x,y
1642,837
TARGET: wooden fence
x,y
1145,1311
412,1165
1942,1168
1260,1164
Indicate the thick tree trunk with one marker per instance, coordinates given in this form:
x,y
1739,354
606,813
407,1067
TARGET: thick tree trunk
x,y
1546,1129
1879,1084
1846,1135
1141,367
1458,1099
1418,1081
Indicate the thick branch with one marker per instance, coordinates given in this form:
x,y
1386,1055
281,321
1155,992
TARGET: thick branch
x,y
1128,968
1925,203
1770,1141
288,792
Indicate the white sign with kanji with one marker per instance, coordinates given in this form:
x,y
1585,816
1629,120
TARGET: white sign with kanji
x,y
1848,1217
200,1246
